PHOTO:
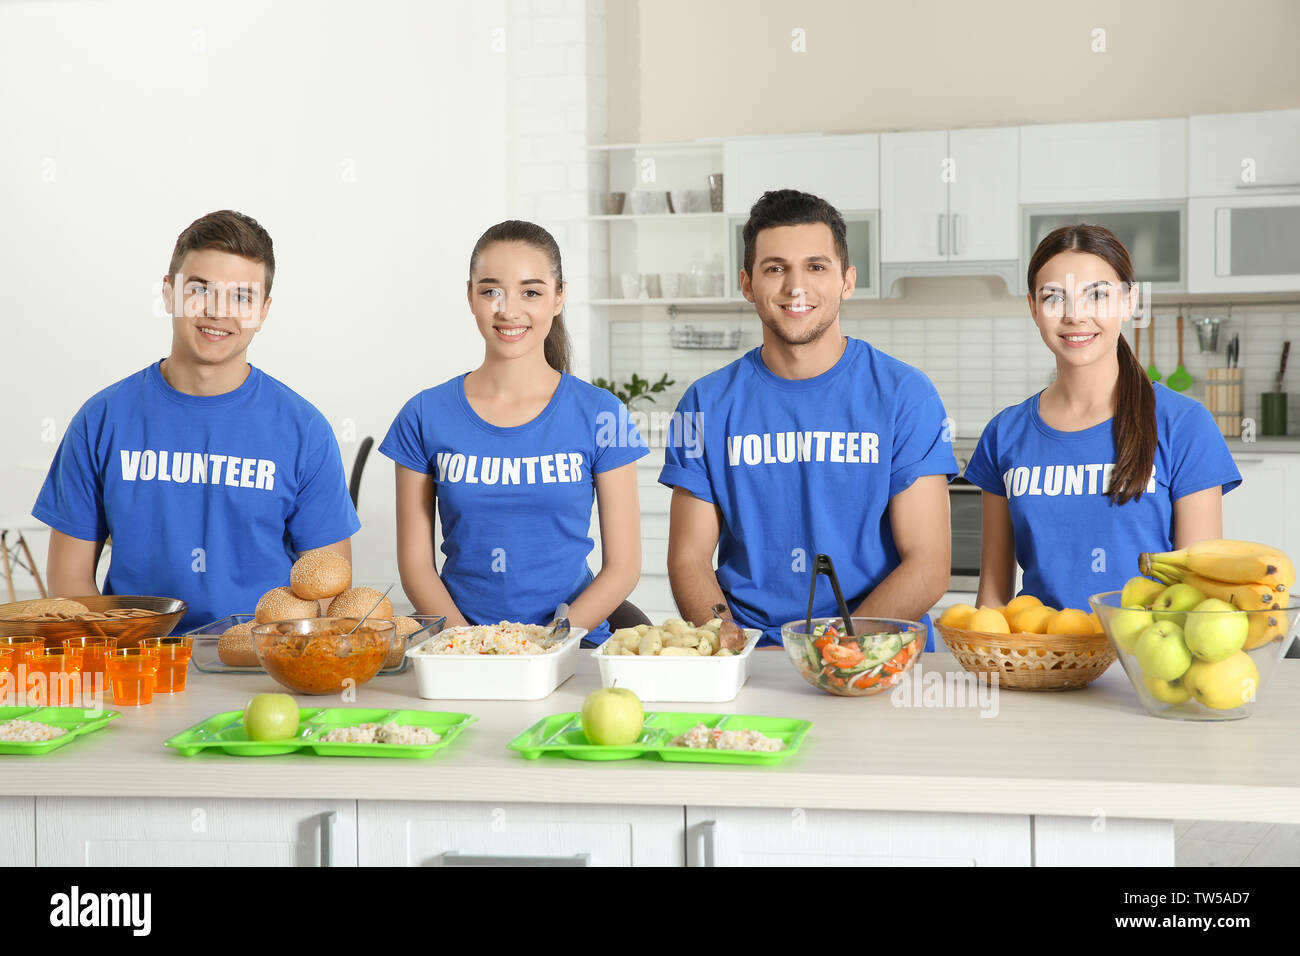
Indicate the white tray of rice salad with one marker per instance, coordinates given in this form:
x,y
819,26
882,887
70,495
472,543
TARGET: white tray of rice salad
x,y
493,662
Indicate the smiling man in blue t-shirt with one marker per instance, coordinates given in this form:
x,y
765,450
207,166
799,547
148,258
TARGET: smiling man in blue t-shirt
x,y
814,443
209,475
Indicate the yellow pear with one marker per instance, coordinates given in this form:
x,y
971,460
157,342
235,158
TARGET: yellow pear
x,y
1223,685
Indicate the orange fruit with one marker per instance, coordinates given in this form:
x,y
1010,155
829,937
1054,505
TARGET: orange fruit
x,y
958,615
990,620
1018,604
1070,621
1096,624
1033,620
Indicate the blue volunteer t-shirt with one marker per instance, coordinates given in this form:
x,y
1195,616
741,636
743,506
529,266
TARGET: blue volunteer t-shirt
x,y
800,468
208,498
515,503
1070,540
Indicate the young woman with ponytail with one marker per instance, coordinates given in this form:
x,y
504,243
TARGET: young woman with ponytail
x,y
511,455
1101,465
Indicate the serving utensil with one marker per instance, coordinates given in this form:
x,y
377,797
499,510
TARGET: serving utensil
x,y
1281,372
372,610
559,627
823,564
1181,379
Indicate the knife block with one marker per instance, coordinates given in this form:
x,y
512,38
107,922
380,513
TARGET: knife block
x,y
1223,399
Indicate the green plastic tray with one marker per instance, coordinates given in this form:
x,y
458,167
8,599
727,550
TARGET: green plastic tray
x,y
562,734
75,720
225,732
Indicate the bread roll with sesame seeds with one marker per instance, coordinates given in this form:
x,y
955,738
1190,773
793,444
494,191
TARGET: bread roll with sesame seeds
x,y
235,646
355,602
279,604
320,574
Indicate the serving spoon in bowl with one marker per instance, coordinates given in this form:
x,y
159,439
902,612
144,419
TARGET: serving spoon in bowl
x,y
559,628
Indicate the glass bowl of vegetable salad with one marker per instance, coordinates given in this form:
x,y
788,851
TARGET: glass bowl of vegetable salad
x,y
873,660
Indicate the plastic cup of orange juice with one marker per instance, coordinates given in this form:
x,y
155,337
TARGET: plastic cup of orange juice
x,y
6,672
94,652
24,649
132,672
173,661
54,677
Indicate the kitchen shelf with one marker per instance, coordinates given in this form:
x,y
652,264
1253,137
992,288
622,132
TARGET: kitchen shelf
x,y
658,216
701,300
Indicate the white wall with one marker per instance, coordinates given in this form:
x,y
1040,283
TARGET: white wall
x,y
373,140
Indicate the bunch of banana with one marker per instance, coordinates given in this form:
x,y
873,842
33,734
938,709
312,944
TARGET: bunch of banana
x,y
1251,577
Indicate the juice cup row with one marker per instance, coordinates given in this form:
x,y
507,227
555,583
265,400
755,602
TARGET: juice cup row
x,y
84,665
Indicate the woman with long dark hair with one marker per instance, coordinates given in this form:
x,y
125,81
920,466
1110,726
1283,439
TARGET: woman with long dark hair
x,y
1101,465
512,454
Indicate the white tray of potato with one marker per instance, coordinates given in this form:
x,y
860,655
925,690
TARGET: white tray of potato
x,y
675,662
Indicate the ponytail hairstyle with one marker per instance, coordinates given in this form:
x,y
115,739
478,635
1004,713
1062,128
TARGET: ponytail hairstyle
x,y
556,347
1134,425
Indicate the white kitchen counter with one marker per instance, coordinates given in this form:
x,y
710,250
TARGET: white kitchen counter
x,y
1076,753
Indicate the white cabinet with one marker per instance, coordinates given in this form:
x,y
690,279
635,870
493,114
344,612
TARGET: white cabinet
x,y
403,833
914,197
1244,243
1155,235
1235,153
982,196
17,831
948,196
746,836
121,831
1130,161
843,170
1265,507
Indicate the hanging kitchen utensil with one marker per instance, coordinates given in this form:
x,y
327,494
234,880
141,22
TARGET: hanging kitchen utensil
x,y
1281,372
822,564
1137,340
1181,379
1152,373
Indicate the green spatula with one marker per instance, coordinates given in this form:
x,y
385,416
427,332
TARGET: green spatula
x,y
1181,379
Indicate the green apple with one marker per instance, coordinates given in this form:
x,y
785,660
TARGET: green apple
x,y
1169,691
271,717
612,715
1140,592
1173,603
1218,634
1225,684
1127,624
1161,651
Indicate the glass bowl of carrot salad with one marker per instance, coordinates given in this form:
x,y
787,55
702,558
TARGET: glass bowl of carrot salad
x,y
317,655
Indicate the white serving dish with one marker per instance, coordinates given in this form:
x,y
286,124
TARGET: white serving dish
x,y
708,680
494,676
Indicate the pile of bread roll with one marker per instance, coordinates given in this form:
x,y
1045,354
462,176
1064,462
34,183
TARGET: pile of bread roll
x,y
316,577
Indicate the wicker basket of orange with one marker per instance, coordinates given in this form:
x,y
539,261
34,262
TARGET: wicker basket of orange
x,y
1028,645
